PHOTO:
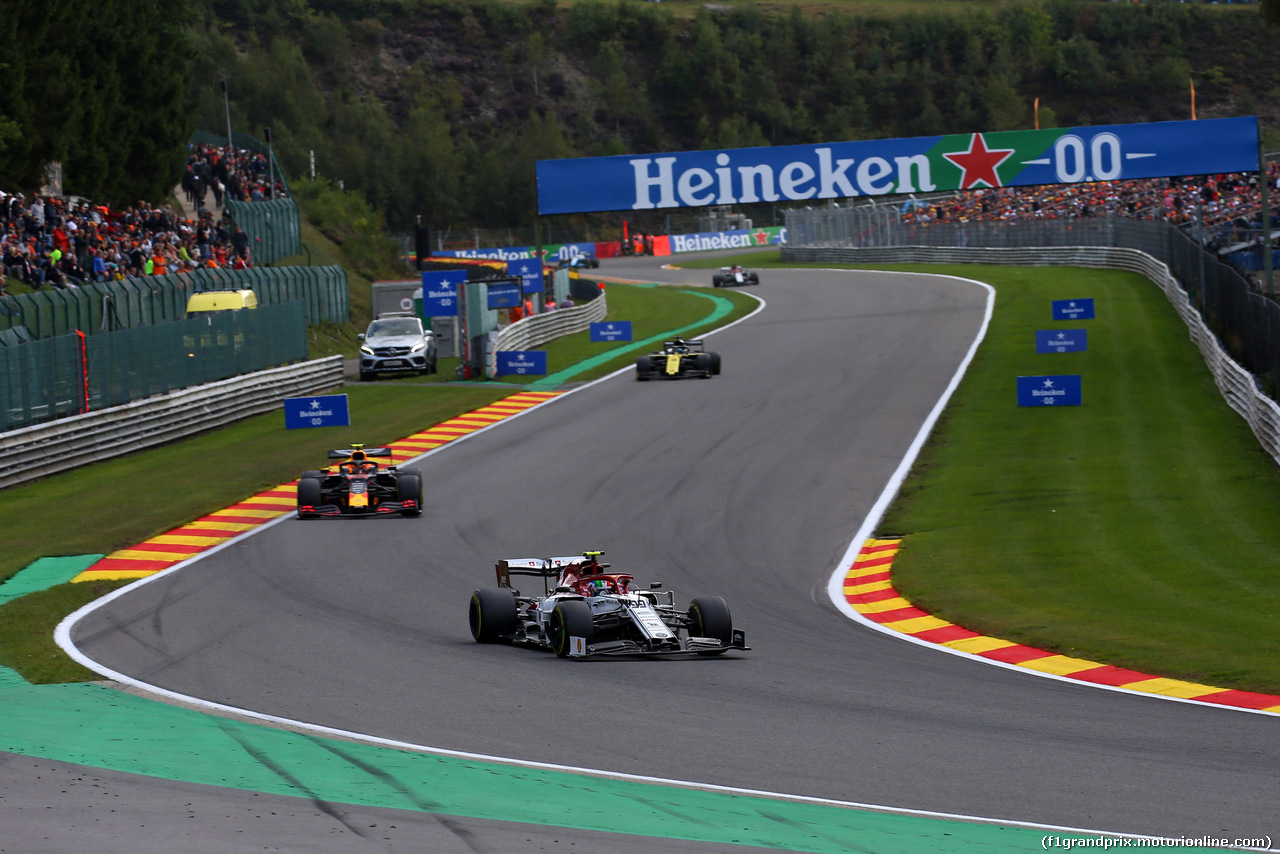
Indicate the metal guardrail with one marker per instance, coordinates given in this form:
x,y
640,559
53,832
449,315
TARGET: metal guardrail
x,y
35,452
529,332
1237,386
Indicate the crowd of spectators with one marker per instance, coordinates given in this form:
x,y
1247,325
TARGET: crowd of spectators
x,y
46,240
1227,205
228,173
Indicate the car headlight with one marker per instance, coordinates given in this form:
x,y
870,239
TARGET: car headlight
x,y
419,347
368,351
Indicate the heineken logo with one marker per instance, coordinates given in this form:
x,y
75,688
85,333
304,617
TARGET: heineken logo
x,y
837,170
978,164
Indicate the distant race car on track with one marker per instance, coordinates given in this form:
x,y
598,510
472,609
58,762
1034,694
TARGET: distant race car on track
x,y
359,486
678,359
590,611
735,275
577,261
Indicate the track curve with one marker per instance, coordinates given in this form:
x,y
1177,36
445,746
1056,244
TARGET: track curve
x,y
750,485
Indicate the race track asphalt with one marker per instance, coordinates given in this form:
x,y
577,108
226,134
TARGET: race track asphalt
x,y
750,485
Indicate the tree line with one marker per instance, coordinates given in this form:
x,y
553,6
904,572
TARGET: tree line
x,y
103,88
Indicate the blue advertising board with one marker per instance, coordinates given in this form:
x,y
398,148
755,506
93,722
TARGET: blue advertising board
x,y
569,251
521,362
611,330
1061,340
1073,309
503,295
440,292
529,271
1049,391
837,170
323,410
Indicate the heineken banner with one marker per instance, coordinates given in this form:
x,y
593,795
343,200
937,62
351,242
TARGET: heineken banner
x,y
878,167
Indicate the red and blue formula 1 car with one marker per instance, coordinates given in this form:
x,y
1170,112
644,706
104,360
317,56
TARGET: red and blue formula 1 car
x,y
358,486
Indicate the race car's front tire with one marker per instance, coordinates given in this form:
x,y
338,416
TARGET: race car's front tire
x,y
308,494
492,614
571,619
717,280
715,363
643,367
709,618
753,278
702,363
409,486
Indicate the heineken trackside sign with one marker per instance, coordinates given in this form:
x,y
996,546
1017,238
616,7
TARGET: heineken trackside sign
x,y
1050,391
1061,340
1073,309
524,362
529,272
737,239
883,166
440,292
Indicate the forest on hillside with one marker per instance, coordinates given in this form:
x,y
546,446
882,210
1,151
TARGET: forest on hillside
x,y
439,109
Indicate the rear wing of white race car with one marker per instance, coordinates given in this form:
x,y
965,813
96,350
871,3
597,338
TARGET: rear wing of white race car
x,y
539,567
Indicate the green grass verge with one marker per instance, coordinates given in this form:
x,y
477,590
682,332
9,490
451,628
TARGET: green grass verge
x,y
174,484
1139,529
26,629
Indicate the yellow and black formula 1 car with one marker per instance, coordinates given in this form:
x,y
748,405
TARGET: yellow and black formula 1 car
x,y
358,486
678,359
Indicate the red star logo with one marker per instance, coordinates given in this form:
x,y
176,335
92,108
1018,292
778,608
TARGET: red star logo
x,y
978,164
762,237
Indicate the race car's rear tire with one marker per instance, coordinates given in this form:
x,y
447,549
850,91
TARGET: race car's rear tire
x,y
709,618
308,494
409,487
715,363
492,614
570,619
643,367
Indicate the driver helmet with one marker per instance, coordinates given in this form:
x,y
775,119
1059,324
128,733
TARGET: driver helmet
x,y
598,587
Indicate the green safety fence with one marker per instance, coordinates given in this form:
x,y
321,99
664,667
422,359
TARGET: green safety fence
x,y
104,306
41,380
273,227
